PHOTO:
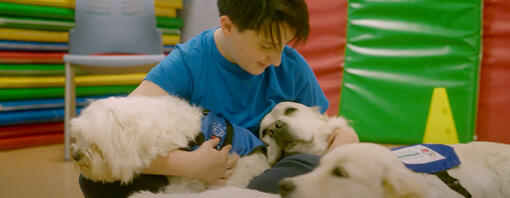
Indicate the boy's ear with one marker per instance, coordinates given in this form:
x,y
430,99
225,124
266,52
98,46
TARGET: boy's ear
x,y
226,24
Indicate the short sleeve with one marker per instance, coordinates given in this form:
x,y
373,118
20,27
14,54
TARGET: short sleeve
x,y
172,75
308,90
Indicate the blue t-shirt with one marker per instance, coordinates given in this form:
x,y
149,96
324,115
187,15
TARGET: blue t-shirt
x,y
199,73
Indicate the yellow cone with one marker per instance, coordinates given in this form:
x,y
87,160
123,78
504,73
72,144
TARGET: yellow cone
x,y
440,128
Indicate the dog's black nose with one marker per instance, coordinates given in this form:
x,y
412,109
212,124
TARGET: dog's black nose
x,y
77,156
286,186
268,132
279,124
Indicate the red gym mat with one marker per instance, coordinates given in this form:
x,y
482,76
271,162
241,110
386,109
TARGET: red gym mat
x,y
31,57
324,49
30,129
494,95
31,140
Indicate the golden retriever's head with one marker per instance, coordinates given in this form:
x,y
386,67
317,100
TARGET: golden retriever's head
x,y
295,128
358,171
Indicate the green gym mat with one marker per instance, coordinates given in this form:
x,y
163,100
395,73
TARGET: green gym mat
x,y
46,12
56,92
412,70
35,23
32,69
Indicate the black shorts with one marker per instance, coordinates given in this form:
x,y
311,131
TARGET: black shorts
x,y
91,189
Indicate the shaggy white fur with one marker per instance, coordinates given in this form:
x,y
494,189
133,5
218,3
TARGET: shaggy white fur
x,y
116,138
289,128
372,171
224,192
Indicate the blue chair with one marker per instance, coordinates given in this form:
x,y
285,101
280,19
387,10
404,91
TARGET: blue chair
x,y
124,28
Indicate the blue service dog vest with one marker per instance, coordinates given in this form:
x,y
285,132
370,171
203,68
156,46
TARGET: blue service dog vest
x,y
215,126
432,159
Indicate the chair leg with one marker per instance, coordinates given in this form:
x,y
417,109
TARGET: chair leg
x,y
69,109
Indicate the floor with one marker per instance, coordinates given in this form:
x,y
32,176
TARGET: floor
x,y
38,172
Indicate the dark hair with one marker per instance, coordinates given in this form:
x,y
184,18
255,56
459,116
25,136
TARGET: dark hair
x,y
266,16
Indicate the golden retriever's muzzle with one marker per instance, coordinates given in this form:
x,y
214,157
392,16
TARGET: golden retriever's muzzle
x,y
278,131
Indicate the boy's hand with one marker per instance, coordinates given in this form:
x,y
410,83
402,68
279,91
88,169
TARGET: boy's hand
x,y
213,166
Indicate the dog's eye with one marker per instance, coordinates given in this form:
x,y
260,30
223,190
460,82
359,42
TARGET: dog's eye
x,y
339,172
289,111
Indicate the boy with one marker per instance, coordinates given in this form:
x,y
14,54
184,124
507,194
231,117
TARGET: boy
x,y
241,70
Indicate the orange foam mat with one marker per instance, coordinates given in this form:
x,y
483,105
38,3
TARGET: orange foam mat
x,y
494,95
31,140
30,129
31,57
324,50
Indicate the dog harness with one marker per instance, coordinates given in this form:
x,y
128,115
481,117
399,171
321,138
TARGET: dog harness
x,y
433,159
215,126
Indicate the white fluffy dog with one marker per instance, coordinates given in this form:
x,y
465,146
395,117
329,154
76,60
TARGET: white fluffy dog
x,y
114,139
372,171
223,192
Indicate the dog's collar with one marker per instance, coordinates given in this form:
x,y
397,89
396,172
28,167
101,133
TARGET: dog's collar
x,y
433,159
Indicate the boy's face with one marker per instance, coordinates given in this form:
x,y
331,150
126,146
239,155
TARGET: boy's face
x,y
255,52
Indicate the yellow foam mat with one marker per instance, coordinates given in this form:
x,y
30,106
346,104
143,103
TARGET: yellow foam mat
x,y
165,12
168,3
33,35
158,4
170,39
59,81
59,37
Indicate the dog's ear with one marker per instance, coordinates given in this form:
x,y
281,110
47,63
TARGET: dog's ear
x,y
399,183
317,111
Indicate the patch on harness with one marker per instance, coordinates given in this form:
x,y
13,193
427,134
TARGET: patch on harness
x,y
214,126
433,159
427,158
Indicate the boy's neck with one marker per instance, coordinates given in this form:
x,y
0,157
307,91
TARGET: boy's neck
x,y
221,44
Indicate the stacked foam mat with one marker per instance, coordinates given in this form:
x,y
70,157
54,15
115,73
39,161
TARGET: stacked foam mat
x,y
33,41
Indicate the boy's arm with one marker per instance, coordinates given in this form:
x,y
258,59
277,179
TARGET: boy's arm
x,y
148,88
206,163
341,137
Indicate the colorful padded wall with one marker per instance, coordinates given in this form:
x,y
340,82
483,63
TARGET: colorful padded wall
x,y
411,70
33,41
324,49
494,103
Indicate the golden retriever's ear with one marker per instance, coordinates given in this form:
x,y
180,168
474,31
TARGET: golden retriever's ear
x,y
317,110
401,184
